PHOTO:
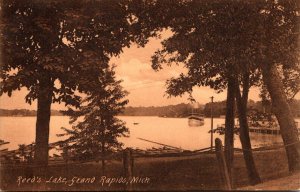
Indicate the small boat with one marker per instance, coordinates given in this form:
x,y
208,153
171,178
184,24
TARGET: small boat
x,y
196,120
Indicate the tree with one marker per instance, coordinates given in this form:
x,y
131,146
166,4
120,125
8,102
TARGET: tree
x,y
278,46
229,125
210,39
57,49
97,134
241,102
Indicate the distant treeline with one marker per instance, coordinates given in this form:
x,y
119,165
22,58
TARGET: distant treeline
x,y
180,110
218,109
25,112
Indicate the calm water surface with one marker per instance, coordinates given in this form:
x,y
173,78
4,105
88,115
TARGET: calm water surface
x,y
170,131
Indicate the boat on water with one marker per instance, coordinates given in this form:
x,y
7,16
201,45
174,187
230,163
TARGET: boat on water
x,y
195,120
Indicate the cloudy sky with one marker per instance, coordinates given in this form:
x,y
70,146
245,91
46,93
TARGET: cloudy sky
x,y
146,87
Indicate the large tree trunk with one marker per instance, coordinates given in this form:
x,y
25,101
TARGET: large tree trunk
x,y
283,114
229,125
244,131
44,101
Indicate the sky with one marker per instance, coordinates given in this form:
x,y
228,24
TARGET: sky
x,y
146,87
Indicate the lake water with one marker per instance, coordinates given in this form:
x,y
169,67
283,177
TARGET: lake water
x,y
169,131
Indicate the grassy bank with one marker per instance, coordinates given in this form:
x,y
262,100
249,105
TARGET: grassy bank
x,y
164,173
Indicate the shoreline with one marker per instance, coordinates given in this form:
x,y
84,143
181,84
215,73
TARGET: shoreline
x,y
173,173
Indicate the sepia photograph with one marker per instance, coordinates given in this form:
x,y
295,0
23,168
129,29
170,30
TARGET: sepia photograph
x,y
149,95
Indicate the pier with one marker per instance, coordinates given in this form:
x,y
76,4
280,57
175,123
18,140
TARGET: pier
x,y
272,131
265,130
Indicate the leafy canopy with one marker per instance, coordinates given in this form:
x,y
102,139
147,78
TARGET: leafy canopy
x,y
218,39
66,43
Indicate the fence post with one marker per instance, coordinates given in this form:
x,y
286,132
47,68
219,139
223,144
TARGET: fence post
x,y
131,161
128,167
66,157
41,171
222,164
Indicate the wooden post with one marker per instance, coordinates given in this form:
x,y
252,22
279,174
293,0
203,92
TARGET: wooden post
x,y
211,124
222,164
132,162
128,167
66,157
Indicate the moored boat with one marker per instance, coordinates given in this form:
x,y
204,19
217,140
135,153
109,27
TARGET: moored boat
x,y
195,120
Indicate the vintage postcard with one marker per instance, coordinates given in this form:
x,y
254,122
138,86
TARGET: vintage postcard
x,y
149,95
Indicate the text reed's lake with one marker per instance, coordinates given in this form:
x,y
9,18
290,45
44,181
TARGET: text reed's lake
x,y
169,131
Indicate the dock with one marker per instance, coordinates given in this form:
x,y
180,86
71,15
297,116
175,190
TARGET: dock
x,y
264,130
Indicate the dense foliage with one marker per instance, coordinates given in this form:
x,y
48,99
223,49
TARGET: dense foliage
x,y
57,49
96,128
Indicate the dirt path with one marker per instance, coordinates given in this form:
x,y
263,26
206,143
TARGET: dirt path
x,y
291,182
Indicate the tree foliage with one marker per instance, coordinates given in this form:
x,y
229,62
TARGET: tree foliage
x,y
58,49
217,39
96,128
222,40
68,41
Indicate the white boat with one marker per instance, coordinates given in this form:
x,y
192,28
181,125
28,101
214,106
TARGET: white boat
x,y
195,120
